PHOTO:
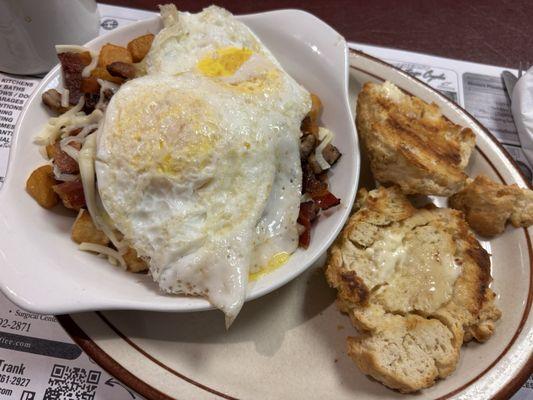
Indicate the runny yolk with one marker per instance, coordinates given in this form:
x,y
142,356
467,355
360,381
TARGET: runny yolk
x,y
224,61
274,263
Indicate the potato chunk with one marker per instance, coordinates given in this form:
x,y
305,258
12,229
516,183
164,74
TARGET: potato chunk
x,y
85,57
84,230
134,263
140,46
90,85
40,186
109,54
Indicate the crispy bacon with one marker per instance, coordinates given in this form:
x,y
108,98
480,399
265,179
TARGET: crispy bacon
x,y
310,184
71,194
91,100
305,237
72,65
326,201
308,213
315,185
74,132
65,163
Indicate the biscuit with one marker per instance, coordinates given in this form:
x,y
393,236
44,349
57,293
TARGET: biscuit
x,y
410,143
414,283
488,206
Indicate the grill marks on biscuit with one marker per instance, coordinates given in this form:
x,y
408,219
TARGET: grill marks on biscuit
x,y
410,143
409,349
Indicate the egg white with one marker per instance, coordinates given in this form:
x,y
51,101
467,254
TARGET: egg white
x,y
187,38
202,173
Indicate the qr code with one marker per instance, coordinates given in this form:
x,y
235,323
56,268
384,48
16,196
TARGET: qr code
x,y
71,383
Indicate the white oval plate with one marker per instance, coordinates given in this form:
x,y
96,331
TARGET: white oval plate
x,y
290,344
42,270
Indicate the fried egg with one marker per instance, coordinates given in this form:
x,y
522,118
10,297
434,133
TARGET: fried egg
x,y
188,38
198,162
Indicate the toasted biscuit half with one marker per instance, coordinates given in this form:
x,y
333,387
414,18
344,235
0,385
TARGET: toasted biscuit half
x,y
414,283
488,206
410,143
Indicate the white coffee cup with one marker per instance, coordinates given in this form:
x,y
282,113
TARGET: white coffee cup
x,y
29,30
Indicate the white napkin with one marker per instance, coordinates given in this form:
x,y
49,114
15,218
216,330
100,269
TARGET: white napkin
x,y
522,107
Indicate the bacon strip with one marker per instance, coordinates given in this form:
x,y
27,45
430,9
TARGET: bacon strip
x,y
64,162
326,201
72,65
310,183
316,186
71,194
308,213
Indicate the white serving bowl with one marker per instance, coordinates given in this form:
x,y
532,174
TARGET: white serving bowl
x,y
42,269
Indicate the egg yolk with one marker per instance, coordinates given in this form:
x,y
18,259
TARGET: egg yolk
x,y
223,62
274,263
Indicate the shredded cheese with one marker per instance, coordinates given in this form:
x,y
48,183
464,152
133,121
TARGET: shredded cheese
x,y
104,250
305,197
325,136
71,151
52,129
104,85
72,119
89,68
86,160
70,48
65,98
83,121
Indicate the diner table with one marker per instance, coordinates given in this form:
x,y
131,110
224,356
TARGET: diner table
x,y
487,32
497,32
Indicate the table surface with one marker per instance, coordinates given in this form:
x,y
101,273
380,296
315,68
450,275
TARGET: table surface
x,y
498,32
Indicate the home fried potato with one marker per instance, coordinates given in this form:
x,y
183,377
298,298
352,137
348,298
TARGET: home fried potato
x,y
71,194
140,46
85,57
90,85
110,53
84,230
134,263
40,186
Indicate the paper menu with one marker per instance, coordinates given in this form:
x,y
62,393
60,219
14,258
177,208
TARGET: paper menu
x,y
37,358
